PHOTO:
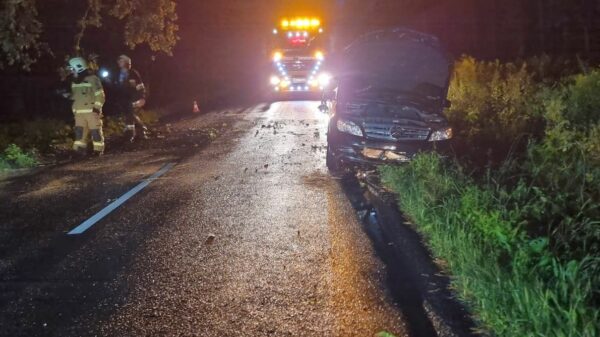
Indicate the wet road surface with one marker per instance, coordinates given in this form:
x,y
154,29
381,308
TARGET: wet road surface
x,y
247,236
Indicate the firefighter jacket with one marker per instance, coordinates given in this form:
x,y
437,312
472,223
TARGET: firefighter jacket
x,y
87,94
129,88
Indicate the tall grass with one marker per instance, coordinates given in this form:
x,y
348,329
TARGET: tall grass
x,y
513,283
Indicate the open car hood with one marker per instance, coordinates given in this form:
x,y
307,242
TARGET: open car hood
x,y
398,60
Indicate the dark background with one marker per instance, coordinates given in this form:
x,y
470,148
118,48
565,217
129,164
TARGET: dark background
x,y
222,56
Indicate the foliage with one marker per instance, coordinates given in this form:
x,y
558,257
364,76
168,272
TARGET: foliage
x,y
514,284
20,31
41,134
582,100
150,116
151,22
563,169
114,126
494,106
14,157
155,26
91,18
522,240
48,135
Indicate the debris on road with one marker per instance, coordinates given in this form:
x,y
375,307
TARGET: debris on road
x,y
210,239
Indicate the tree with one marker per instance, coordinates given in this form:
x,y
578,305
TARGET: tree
x,y
20,32
149,22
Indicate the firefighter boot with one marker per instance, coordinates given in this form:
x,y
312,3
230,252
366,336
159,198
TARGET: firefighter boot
x,y
80,143
145,132
97,141
130,133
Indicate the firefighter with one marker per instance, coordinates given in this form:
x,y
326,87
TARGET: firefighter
x,y
131,94
88,99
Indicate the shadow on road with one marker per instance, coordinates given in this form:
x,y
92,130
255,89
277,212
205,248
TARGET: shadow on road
x,y
417,286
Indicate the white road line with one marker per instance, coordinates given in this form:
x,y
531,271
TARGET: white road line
x,y
115,204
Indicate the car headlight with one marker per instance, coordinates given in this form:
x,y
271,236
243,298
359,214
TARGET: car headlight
x,y
319,55
285,83
275,80
277,56
349,127
443,134
324,80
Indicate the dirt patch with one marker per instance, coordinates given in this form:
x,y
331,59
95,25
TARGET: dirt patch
x,y
318,180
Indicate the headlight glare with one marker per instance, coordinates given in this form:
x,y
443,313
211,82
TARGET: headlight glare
x,y
349,127
275,80
324,80
319,55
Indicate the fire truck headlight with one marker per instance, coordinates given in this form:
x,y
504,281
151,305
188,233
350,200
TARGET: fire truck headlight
x,y
324,80
319,55
275,80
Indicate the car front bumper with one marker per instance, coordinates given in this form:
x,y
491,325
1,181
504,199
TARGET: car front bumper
x,y
364,153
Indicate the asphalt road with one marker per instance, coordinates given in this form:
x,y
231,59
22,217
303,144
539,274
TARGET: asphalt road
x,y
247,235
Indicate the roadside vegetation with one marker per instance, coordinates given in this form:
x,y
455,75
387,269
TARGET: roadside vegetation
x,y
14,158
514,216
24,143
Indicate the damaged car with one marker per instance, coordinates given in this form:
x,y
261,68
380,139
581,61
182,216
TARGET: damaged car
x,y
387,103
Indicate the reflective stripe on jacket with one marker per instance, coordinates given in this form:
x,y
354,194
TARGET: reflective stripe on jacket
x,y
87,95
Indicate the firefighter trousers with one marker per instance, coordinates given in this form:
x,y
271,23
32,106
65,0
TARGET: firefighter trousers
x,y
88,124
133,122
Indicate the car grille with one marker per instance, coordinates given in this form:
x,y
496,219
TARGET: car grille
x,y
395,132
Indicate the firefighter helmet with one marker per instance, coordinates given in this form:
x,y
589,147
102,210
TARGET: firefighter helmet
x,y
78,65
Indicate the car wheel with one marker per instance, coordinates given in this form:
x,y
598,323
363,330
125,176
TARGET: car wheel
x,y
332,163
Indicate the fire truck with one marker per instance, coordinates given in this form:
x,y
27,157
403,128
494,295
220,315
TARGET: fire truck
x,y
298,53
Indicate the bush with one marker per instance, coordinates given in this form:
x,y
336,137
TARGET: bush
x,y
14,157
494,106
46,135
113,126
40,134
583,100
564,168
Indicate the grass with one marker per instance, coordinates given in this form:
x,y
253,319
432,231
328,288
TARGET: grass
x,y
512,283
515,216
